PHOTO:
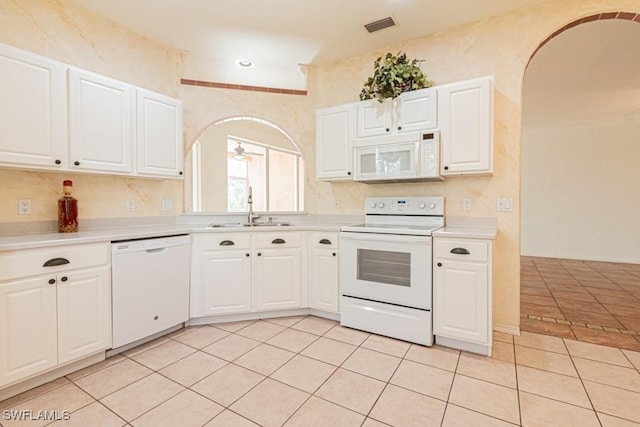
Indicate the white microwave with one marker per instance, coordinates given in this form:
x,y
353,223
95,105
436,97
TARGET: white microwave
x,y
400,161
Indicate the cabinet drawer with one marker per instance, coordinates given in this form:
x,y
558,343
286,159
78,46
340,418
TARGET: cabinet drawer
x,y
225,241
325,240
277,240
31,262
478,250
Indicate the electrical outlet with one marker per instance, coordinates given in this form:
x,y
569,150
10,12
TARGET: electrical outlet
x,y
466,204
130,205
167,205
504,205
24,207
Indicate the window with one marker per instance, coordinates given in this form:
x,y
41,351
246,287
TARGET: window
x,y
274,174
237,185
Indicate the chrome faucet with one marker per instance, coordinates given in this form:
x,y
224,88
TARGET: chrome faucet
x,y
251,217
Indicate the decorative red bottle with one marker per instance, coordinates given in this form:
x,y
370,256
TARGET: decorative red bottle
x,y
67,210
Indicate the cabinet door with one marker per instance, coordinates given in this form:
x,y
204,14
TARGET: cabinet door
x,y
28,328
416,111
465,118
460,292
323,279
374,118
101,125
33,110
224,283
334,143
159,135
84,313
277,276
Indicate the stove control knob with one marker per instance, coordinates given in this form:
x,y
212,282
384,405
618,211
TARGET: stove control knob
x,y
422,205
372,205
380,205
432,205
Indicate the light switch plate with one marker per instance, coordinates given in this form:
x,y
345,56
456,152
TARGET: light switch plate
x,y
504,205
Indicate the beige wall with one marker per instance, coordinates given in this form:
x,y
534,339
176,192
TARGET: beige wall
x,y
500,46
61,31
579,191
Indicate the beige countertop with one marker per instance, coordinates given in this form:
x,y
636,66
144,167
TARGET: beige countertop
x,y
468,228
456,227
30,241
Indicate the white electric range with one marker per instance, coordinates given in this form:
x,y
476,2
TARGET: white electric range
x,y
385,268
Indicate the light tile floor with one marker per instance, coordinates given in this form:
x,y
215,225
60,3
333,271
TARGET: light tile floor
x,y
307,371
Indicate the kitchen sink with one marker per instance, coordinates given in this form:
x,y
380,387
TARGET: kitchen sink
x,y
241,224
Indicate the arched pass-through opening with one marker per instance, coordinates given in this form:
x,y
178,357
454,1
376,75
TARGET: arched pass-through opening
x,y
580,268
236,154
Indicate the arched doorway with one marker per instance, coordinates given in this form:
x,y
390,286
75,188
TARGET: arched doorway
x,y
580,270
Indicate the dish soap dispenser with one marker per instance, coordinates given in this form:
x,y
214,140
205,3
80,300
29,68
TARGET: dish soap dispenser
x,y
67,210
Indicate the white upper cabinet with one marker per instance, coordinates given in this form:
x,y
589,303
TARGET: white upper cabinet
x,y
416,111
159,132
410,112
334,142
56,117
100,123
33,110
374,118
465,117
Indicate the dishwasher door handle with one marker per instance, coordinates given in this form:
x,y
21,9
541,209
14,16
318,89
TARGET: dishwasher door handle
x,y
155,250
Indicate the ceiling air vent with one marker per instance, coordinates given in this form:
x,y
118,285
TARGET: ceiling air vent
x,y
380,24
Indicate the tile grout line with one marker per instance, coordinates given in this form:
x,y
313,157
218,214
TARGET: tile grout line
x,y
453,380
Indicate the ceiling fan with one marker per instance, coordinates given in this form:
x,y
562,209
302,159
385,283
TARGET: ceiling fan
x,y
241,152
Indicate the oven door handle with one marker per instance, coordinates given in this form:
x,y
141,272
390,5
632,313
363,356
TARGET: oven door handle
x,y
379,237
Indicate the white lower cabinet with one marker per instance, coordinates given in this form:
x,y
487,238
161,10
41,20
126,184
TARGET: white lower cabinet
x,y
28,329
324,292
277,270
221,274
462,294
277,274
84,313
236,273
53,317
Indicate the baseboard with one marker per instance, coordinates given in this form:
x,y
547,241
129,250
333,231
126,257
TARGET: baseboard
x,y
27,384
507,329
483,349
212,320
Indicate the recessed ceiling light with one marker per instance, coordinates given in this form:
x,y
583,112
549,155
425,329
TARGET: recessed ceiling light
x,y
244,63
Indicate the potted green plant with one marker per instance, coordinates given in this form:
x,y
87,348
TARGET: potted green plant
x,y
393,75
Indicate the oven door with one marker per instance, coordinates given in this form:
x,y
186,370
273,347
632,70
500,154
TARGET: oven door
x,y
386,268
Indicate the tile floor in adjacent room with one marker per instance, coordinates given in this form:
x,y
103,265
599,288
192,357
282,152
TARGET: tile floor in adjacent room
x,y
308,371
591,301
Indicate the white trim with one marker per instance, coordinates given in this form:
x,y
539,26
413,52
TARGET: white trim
x,y
507,329
196,179
464,345
23,385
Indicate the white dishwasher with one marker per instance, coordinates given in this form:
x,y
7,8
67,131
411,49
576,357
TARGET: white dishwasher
x,y
150,286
